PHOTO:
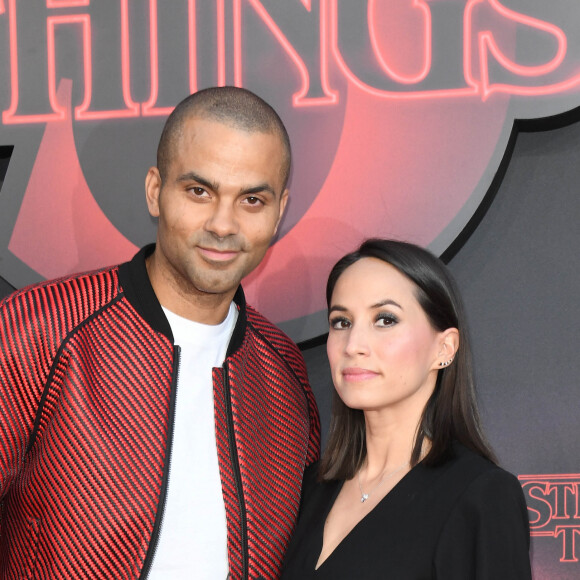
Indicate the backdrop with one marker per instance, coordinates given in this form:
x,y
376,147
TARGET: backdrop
x,y
403,118
519,274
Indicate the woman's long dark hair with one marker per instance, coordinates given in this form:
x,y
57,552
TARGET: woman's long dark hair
x,y
451,412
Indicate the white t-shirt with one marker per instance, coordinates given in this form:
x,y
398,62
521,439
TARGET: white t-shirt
x,y
193,536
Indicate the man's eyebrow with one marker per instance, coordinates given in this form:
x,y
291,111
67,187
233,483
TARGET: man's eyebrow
x,y
260,188
192,176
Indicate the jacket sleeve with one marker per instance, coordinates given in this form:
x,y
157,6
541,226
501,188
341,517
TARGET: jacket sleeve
x,y
487,535
22,380
314,441
290,356
34,325
293,357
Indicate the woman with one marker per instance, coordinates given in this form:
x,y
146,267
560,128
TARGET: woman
x,y
408,487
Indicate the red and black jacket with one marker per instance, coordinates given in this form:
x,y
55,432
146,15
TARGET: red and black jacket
x,y
87,394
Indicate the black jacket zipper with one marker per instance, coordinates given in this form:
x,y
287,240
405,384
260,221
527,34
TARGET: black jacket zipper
x,y
237,474
165,483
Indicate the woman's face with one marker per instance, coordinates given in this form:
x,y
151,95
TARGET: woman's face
x,y
382,349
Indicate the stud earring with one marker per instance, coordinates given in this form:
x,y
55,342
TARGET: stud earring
x,y
445,362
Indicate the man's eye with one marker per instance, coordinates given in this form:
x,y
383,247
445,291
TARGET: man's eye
x,y
198,191
253,200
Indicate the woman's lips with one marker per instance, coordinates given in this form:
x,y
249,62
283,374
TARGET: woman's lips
x,y
358,374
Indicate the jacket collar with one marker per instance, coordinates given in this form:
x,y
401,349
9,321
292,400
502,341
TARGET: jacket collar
x,y
139,292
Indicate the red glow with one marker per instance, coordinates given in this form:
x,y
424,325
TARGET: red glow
x,y
132,109
548,477
192,48
430,94
66,3
427,52
82,111
9,117
51,23
237,44
550,494
568,534
485,42
45,235
487,45
557,485
149,108
221,42
299,98
324,43
533,91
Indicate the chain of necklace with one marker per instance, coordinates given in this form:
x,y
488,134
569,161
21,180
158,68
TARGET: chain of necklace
x,y
364,496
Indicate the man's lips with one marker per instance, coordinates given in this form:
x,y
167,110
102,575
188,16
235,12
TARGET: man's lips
x,y
358,374
214,255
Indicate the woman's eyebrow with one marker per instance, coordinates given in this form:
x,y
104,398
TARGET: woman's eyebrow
x,y
387,302
380,304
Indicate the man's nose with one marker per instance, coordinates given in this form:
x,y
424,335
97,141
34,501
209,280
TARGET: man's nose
x,y
223,220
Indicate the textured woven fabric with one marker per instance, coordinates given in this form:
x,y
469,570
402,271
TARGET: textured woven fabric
x,y
86,387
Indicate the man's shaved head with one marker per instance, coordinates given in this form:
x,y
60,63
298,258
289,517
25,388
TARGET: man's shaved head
x,y
232,106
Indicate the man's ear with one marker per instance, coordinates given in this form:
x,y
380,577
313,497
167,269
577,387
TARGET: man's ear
x,y
152,190
448,345
283,202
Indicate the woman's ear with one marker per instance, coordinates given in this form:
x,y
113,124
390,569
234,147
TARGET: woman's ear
x,y
448,345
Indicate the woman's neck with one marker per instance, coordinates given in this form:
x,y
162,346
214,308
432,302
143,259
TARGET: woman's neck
x,y
389,442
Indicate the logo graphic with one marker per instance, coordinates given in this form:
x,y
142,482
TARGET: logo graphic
x,y
554,510
399,113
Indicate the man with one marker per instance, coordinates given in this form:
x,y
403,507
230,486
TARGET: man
x,y
153,425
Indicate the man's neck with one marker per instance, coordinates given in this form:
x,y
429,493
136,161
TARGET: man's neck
x,y
189,303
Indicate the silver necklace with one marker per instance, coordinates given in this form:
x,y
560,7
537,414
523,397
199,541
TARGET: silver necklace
x,y
364,496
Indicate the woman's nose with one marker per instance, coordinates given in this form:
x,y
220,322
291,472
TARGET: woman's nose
x,y
357,342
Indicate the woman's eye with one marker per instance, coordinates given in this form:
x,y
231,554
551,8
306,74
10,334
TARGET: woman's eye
x,y
339,323
386,320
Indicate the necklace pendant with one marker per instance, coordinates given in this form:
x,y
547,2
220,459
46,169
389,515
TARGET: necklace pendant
x,y
364,497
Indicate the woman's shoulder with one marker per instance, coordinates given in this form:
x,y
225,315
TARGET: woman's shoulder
x,y
477,478
471,464
486,528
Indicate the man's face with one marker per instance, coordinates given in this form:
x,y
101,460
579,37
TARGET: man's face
x,y
218,207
